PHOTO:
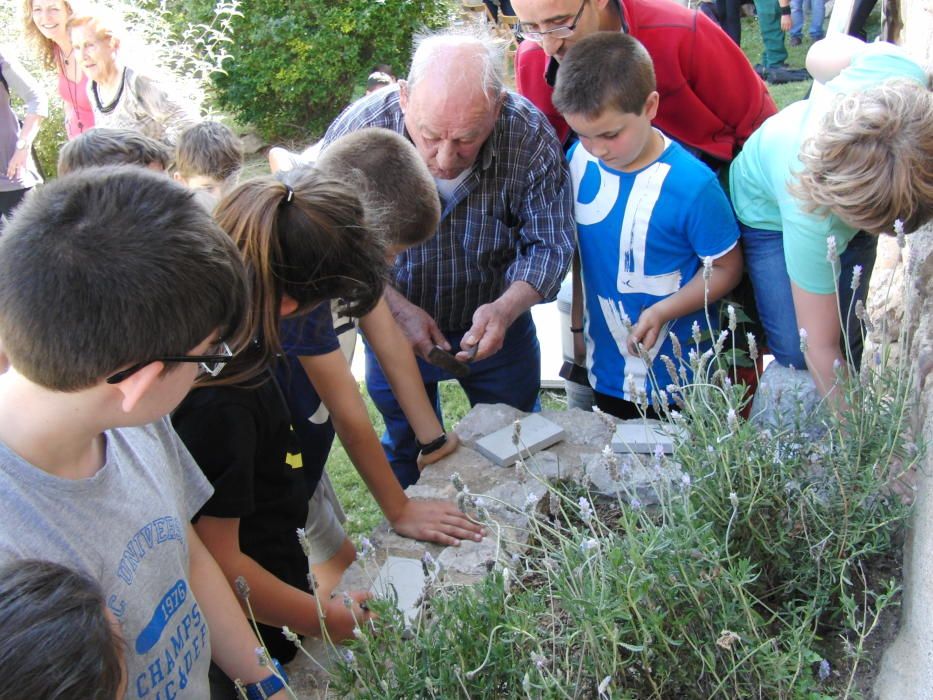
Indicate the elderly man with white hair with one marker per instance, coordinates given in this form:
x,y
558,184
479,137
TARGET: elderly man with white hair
x,y
505,238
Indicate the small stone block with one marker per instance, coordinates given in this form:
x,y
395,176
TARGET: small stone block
x,y
643,436
537,433
407,577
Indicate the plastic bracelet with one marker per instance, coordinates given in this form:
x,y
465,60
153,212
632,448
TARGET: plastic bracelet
x,y
576,330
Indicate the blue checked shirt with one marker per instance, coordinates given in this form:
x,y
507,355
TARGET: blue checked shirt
x,y
511,219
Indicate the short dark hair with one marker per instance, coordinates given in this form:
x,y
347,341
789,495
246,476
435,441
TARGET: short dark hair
x,y
108,146
605,70
108,267
396,188
209,149
56,643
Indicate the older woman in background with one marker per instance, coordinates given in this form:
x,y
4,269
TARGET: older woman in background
x,y
45,24
120,96
17,170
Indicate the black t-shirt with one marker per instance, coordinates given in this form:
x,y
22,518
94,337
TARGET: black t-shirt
x,y
240,438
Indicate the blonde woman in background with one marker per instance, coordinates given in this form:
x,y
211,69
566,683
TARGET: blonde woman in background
x,y
45,25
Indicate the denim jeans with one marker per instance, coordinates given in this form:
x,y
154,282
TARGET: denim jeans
x,y
511,376
764,261
817,15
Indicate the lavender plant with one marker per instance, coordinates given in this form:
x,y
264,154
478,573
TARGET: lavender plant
x,y
749,578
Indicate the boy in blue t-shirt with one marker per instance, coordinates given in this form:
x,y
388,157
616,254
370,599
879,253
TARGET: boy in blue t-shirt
x,y
648,215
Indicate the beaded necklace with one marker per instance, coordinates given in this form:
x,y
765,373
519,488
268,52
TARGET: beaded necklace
x,y
107,109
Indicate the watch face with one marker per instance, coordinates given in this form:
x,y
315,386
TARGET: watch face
x,y
20,144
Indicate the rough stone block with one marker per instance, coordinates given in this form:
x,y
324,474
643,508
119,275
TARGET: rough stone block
x,y
645,436
631,476
387,543
472,559
515,494
786,398
547,466
485,418
583,428
537,433
406,577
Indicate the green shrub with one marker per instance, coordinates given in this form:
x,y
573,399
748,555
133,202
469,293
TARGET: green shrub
x,y
50,139
297,64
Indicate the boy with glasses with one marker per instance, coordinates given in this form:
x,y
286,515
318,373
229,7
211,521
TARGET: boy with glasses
x,y
114,286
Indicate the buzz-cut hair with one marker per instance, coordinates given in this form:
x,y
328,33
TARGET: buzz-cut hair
x,y
871,161
209,149
605,70
393,182
109,267
110,146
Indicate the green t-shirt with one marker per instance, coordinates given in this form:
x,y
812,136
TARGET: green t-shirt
x,y
770,160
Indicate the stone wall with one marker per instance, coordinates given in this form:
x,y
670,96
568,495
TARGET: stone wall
x,y
907,667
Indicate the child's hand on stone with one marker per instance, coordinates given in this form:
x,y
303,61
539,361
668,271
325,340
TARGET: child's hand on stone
x,y
436,521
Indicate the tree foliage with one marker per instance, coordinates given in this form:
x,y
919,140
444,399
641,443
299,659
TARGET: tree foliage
x,y
295,65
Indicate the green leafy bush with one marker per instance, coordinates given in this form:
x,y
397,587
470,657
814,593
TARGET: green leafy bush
x,y
297,64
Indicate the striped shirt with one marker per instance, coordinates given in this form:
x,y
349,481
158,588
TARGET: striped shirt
x,y
510,219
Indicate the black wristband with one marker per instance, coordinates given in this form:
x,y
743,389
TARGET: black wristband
x,y
432,446
576,330
785,10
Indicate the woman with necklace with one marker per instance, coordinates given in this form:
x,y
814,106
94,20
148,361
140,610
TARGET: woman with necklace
x,y
120,96
45,24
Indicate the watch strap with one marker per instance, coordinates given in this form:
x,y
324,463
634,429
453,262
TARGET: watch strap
x,y
433,446
269,686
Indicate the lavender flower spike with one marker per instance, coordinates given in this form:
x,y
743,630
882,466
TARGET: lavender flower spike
x,y
856,277
832,255
899,232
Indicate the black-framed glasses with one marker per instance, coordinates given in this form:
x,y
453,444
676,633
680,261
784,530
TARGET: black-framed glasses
x,y
209,364
564,31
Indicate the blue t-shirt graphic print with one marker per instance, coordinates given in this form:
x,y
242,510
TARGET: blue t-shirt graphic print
x,y
642,236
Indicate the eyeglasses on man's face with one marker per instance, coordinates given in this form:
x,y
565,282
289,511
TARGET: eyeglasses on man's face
x,y
563,31
211,364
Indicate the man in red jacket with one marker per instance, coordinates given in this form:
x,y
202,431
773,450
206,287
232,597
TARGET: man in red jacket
x,y
711,97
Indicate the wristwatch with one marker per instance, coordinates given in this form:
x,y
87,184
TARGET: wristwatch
x,y
268,686
20,144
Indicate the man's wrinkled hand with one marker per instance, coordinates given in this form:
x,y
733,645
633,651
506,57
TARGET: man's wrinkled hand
x,y
421,330
487,334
